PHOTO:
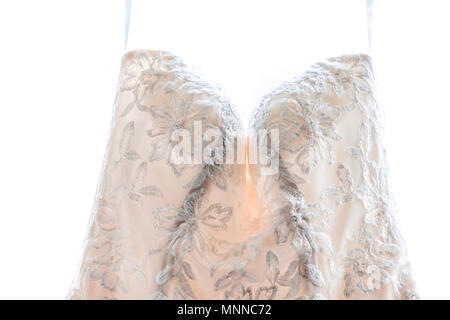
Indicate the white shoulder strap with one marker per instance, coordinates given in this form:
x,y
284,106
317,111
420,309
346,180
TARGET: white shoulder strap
x,y
369,6
127,21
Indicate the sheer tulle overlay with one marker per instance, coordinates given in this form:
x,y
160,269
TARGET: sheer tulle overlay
x,y
322,227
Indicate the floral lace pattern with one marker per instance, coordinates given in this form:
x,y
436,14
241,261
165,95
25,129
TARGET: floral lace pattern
x,y
323,226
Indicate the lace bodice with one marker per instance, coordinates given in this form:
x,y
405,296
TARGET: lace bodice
x,y
321,227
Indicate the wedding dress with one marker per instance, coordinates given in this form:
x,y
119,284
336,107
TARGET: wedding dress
x,y
321,227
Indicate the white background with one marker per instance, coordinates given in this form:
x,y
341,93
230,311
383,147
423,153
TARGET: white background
x,y
59,63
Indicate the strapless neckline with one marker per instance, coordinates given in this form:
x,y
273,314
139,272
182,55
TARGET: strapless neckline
x,y
178,59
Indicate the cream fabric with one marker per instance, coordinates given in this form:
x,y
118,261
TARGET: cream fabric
x,y
323,227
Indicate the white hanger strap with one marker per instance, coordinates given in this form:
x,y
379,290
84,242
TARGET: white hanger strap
x,y
127,21
369,6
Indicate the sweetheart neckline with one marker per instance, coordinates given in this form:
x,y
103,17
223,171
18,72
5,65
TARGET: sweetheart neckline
x,y
218,85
